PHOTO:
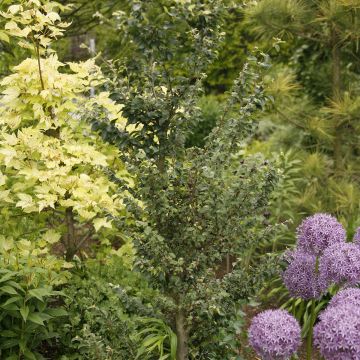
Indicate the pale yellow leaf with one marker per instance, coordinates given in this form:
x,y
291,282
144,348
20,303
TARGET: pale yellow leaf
x,y
51,236
101,222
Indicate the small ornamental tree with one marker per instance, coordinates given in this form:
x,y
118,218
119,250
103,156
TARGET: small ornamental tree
x,y
198,207
52,166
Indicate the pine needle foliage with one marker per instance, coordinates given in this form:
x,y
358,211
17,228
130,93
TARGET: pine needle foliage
x,y
317,116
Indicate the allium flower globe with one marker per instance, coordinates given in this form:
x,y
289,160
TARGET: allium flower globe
x,y
275,335
301,278
319,231
337,334
346,296
340,264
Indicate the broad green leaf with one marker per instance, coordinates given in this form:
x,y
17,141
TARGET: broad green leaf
x,y
57,312
12,300
8,333
8,290
10,307
35,318
7,276
15,285
29,354
24,311
7,344
39,293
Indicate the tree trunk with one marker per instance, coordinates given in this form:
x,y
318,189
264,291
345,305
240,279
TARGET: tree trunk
x,y
336,94
70,236
182,336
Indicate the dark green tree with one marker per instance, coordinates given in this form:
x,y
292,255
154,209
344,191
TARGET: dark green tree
x,y
200,212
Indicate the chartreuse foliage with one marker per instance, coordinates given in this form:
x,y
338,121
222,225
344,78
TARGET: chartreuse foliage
x,y
199,206
55,193
50,161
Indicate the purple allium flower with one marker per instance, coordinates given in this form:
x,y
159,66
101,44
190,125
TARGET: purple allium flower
x,y
301,278
319,231
348,296
357,236
340,264
275,335
337,334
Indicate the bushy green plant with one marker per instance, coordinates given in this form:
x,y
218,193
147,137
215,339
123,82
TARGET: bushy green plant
x,y
156,337
28,298
107,304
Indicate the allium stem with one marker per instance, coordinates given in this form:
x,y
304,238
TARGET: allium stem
x,y
310,333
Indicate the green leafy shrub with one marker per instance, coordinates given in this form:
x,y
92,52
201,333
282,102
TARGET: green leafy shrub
x,y
28,300
106,302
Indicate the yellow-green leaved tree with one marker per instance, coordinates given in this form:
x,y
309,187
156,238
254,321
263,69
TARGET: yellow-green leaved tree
x,y
52,175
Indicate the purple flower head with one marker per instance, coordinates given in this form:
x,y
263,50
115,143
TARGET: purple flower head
x,y
348,296
301,278
340,264
357,236
337,335
275,335
319,231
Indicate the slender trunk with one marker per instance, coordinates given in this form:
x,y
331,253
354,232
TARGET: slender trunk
x,y
336,94
182,336
70,236
228,268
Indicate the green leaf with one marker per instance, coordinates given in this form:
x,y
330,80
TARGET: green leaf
x,y
8,333
11,300
173,346
39,293
7,344
15,285
29,355
24,311
10,307
7,276
8,290
36,318
4,37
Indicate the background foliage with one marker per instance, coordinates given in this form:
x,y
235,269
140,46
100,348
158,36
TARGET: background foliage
x,y
163,231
